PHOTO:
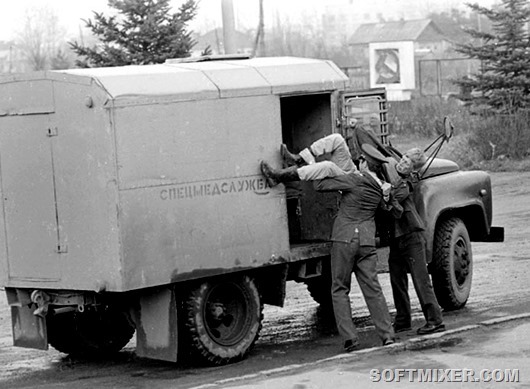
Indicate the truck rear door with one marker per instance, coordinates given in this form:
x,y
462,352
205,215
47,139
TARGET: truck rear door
x,y
28,195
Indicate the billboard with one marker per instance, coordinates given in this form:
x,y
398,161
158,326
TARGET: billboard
x,y
392,67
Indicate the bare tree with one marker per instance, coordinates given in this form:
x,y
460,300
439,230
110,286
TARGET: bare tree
x,y
41,38
302,39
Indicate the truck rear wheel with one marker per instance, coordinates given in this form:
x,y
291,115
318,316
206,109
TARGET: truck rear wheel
x,y
89,332
320,290
320,287
452,267
223,319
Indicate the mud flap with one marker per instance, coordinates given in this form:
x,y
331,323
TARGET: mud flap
x,y
155,317
29,330
496,235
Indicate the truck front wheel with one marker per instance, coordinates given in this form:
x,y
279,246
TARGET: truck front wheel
x,y
223,319
452,265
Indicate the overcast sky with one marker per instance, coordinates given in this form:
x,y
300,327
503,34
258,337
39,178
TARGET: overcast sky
x,y
70,12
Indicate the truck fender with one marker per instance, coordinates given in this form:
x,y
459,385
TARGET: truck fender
x,y
466,195
29,329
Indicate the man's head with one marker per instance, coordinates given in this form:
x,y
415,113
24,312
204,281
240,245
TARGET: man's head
x,y
412,160
374,120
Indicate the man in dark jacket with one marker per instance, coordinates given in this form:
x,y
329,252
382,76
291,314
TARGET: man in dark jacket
x,y
353,248
407,250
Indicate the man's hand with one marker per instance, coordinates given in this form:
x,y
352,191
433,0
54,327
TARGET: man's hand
x,y
386,187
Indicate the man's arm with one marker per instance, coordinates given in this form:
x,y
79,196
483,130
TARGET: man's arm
x,y
401,190
345,182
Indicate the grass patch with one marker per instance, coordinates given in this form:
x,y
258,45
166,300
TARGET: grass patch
x,y
492,143
458,150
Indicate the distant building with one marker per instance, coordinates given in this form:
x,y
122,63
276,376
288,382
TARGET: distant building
x,y
393,50
214,40
427,38
341,18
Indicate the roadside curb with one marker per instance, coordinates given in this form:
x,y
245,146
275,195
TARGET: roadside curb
x,y
414,343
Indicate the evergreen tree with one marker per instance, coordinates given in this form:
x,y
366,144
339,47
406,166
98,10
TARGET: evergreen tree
x,y
503,83
142,32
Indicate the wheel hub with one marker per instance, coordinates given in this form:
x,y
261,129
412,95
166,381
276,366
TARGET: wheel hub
x,y
461,262
226,314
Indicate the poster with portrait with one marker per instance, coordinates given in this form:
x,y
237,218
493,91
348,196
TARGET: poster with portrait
x,y
392,67
387,69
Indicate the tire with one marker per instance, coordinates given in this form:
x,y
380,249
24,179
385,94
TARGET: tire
x,y
90,332
452,267
223,320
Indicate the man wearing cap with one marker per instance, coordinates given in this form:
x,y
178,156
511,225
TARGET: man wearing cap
x,y
407,249
353,243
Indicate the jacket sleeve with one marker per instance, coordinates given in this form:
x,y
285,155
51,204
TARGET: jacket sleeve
x,y
401,190
344,183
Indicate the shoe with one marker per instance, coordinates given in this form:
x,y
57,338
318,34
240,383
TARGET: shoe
x,y
431,329
351,345
289,158
401,328
388,342
269,173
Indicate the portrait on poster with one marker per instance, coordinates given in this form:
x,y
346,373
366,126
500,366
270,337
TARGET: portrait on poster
x,y
387,66
392,65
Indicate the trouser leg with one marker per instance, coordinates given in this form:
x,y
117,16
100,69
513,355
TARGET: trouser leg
x,y
319,171
336,147
342,257
398,266
422,280
366,273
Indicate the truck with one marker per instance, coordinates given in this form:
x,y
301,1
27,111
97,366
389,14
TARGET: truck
x,y
133,203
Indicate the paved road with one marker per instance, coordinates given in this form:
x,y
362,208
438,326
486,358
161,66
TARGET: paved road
x,y
483,356
296,334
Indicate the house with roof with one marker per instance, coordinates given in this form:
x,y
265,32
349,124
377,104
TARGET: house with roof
x,y
393,50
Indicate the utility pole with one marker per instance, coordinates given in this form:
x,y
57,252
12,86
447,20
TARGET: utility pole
x,y
229,26
259,42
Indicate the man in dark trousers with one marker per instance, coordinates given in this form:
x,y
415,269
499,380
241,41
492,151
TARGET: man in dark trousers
x,y
407,250
353,248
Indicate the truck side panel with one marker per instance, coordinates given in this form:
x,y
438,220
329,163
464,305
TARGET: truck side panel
x,y
187,173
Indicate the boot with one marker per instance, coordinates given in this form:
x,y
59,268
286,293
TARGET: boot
x,y
274,177
290,159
